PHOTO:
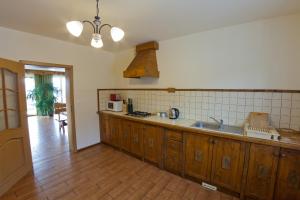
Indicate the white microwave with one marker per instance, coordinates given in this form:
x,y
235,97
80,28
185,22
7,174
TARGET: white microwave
x,y
115,106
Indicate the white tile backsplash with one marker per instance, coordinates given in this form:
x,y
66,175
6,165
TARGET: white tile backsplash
x,y
232,107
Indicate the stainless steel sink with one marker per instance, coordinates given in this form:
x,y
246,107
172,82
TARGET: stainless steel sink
x,y
217,127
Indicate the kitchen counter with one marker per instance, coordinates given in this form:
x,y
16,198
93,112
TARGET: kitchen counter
x,y
290,140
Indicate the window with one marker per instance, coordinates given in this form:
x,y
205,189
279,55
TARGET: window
x,y
9,100
59,82
29,86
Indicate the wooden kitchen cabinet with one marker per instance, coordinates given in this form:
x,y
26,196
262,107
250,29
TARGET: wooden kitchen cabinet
x,y
198,156
262,170
173,152
105,129
288,176
228,163
252,170
115,132
153,139
125,135
136,142
110,129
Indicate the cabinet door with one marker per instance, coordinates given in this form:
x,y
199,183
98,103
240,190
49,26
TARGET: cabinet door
x,y
173,159
105,129
125,135
114,131
228,163
102,126
137,139
153,143
198,155
288,180
261,171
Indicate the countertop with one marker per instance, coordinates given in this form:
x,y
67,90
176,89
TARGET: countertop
x,y
289,140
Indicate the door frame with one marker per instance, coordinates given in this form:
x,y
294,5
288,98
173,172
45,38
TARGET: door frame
x,y
69,98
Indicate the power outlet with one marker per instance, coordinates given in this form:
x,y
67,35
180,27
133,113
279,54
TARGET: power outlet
x,y
208,186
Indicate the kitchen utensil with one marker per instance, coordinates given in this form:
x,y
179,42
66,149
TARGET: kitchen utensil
x,y
129,106
115,106
124,106
162,114
259,120
262,133
115,97
139,114
173,113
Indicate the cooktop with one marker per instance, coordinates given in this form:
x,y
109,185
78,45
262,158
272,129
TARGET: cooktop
x,y
139,114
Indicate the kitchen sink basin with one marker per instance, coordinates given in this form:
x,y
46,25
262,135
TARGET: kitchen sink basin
x,y
217,127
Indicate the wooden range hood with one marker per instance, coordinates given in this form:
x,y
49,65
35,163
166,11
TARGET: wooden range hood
x,y
144,64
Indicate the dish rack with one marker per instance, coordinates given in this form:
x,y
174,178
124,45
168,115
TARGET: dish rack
x,y
262,133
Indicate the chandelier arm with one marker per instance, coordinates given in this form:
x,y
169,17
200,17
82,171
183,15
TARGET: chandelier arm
x,y
91,23
103,25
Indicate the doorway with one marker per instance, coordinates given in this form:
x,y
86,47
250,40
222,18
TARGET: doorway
x,y
15,153
51,130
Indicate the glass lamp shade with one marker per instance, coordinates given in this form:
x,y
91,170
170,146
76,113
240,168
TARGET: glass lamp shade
x,y
75,28
117,34
96,41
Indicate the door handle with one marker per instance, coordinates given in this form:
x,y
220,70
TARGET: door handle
x,y
151,143
198,155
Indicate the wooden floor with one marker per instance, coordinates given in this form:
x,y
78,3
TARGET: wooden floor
x,y
99,172
46,140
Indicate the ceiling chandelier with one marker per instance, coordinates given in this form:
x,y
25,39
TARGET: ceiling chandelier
x,y
76,27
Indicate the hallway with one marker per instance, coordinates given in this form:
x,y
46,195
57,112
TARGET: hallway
x,y
46,141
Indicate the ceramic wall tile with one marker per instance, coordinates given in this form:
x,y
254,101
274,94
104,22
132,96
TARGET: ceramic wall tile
x,y
232,107
267,95
276,103
286,96
296,96
258,95
277,96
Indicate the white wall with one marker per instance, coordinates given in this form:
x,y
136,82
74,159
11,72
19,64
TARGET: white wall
x,y
92,69
262,54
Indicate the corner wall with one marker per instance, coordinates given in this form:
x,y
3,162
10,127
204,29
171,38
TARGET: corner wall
x,y
92,69
258,55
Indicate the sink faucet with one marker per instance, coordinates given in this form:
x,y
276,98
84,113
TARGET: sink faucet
x,y
220,123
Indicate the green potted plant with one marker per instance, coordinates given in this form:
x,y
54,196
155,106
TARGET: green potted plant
x,y
44,96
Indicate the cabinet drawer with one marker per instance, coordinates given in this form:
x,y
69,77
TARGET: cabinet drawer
x,y
173,155
174,146
174,135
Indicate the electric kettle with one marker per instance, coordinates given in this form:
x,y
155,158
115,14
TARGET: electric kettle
x,y
173,113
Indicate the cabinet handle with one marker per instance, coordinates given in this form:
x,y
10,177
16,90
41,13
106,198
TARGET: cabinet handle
x,y
135,139
151,143
263,172
283,155
198,155
226,162
293,179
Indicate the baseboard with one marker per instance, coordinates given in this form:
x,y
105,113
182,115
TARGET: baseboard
x,y
84,148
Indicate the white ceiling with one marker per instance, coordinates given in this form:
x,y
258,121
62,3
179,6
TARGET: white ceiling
x,y
142,20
